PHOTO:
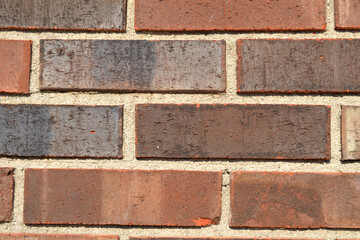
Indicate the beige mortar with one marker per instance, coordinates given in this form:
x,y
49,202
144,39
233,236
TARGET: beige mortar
x,y
130,162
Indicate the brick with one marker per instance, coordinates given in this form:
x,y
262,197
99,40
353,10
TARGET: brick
x,y
122,197
223,131
133,66
211,238
350,132
295,200
31,236
6,194
298,66
61,131
15,66
234,15
347,14
89,15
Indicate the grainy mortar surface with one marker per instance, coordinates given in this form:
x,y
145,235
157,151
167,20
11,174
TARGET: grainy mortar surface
x,y
130,162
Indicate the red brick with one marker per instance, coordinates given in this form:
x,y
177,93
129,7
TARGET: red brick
x,y
221,131
31,236
89,15
298,66
122,197
225,15
347,14
295,200
15,66
6,194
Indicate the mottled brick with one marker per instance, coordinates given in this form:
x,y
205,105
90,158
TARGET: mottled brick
x,y
14,66
225,15
350,132
298,66
89,15
6,194
31,236
211,131
133,66
122,197
60,131
295,200
347,14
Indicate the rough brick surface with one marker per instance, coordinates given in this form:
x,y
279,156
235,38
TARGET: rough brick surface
x,y
14,66
60,131
6,194
232,131
133,66
29,236
305,66
109,15
350,132
295,200
347,14
122,197
234,15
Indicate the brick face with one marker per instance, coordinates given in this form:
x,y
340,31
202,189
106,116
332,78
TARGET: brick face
x,y
6,194
96,15
347,14
234,15
295,200
350,137
29,236
15,59
122,197
133,66
298,66
61,131
232,131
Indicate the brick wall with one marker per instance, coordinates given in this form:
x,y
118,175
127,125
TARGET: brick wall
x,y
179,119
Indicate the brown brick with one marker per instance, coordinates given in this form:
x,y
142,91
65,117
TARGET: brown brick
x,y
298,66
295,200
347,14
14,66
133,66
89,15
122,197
350,132
6,194
211,131
31,236
225,15
61,131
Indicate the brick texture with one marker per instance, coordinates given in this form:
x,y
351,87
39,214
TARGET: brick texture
x,y
29,236
232,131
225,15
350,133
14,66
211,238
6,194
133,66
104,15
60,131
122,197
299,66
295,200
347,14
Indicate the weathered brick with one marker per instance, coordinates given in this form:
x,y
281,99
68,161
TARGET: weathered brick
x,y
6,194
295,200
122,197
60,131
89,15
350,132
347,14
299,66
211,131
31,236
133,65
225,15
14,66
